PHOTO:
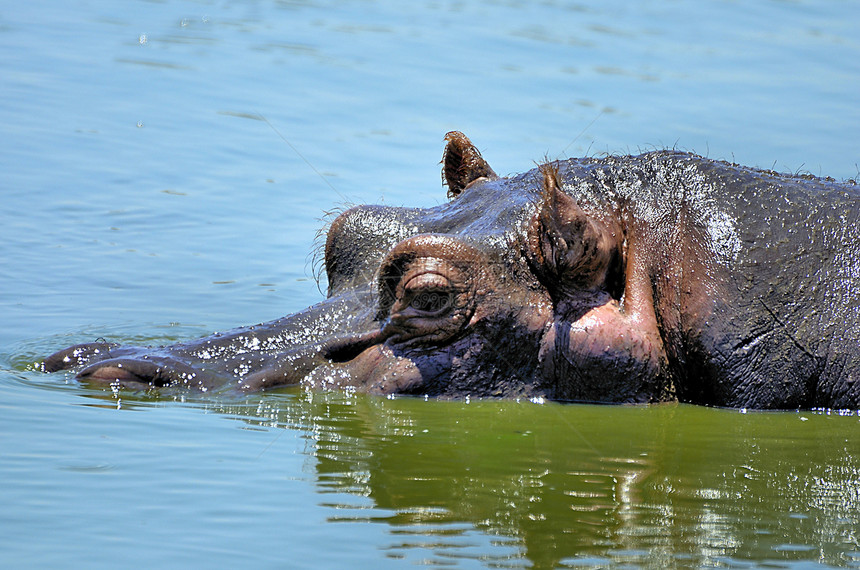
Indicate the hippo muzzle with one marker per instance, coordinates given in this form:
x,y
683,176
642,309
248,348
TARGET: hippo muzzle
x,y
277,353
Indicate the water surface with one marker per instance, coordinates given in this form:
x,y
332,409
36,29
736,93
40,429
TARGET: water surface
x,y
165,169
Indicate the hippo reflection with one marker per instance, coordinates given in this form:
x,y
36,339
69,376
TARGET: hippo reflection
x,y
650,278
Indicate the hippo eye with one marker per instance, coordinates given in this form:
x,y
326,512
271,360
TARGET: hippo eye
x,y
427,295
432,302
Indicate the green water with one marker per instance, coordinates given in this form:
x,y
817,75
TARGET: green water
x,y
570,484
143,200
328,479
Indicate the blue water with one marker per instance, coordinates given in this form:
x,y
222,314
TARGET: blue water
x,y
165,169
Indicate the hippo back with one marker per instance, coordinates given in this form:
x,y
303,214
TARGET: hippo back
x,y
756,275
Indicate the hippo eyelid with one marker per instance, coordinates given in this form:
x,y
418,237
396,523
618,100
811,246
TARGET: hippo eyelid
x,y
437,265
426,281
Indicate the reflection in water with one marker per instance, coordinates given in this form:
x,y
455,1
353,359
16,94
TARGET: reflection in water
x,y
569,484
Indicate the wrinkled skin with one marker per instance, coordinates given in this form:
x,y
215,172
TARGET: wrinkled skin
x,y
659,277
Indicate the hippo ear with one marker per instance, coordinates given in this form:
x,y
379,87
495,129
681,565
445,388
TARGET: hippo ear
x,y
462,164
567,249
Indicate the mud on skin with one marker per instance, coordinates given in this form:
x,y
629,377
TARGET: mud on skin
x,y
650,278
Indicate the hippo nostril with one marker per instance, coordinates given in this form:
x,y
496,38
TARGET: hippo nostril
x,y
344,350
77,355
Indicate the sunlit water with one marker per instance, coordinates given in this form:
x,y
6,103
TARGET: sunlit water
x,y
165,168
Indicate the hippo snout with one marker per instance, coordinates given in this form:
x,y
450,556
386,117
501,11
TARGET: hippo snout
x,y
259,357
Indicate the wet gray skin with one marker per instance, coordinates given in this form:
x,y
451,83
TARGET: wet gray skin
x,y
650,278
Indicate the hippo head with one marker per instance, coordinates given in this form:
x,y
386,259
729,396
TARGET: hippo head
x,y
513,288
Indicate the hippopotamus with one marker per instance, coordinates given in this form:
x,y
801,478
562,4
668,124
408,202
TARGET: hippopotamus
x,y
660,277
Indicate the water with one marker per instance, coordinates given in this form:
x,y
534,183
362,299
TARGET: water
x,y
144,200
